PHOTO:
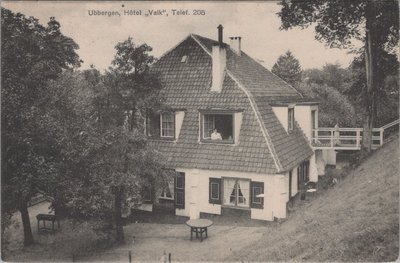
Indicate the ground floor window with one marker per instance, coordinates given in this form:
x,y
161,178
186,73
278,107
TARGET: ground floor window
x,y
257,194
236,192
167,192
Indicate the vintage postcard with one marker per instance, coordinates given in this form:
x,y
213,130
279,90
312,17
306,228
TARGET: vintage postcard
x,y
200,131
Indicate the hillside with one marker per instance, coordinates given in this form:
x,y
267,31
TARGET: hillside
x,y
357,220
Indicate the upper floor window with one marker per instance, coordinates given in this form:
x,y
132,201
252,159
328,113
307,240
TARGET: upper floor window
x,y
290,118
161,125
217,127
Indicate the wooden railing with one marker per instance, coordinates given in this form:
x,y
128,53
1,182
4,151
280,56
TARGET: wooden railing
x,y
350,138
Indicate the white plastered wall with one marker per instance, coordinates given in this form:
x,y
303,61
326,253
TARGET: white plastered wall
x,y
281,112
294,182
197,193
302,114
313,169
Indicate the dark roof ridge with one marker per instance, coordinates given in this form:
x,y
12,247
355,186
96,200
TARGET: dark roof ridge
x,y
195,36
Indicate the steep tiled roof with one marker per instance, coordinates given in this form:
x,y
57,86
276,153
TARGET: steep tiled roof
x,y
257,79
263,145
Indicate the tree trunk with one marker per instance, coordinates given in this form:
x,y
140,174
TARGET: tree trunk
x,y
28,237
118,216
369,91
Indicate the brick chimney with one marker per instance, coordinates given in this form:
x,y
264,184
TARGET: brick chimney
x,y
236,45
218,62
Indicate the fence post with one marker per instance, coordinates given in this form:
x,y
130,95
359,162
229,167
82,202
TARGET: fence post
x,y
332,138
358,139
130,257
381,136
169,257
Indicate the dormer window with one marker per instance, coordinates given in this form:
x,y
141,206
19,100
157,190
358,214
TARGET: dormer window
x,y
218,126
161,125
290,118
167,125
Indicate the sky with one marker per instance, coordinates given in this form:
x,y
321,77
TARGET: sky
x,y
256,22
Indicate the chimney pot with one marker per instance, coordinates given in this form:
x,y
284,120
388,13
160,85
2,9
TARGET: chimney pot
x,y
236,45
220,34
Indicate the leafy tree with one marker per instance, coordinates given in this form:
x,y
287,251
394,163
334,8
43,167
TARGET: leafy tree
x,y
133,89
332,75
375,23
105,163
288,68
31,54
112,153
387,94
334,107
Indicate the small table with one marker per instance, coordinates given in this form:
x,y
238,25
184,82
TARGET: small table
x,y
199,226
44,218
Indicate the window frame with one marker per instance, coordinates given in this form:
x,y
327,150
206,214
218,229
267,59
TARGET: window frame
x,y
216,112
160,135
236,206
164,197
173,125
253,203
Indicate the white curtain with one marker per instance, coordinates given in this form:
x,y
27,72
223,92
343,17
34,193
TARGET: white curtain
x,y
229,187
243,193
236,192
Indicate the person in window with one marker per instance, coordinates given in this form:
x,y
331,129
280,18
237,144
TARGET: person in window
x,y
216,135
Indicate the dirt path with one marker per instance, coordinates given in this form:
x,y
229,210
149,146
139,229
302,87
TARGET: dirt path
x,y
151,240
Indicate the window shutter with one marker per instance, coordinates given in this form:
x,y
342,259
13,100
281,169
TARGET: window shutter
x,y
214,191
179,183
256,188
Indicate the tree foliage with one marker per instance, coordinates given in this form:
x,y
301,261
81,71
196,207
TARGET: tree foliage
x,y
337,23
288,68
332,75
387,93
31,54
334,107
115,162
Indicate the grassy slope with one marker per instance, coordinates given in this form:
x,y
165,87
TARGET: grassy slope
x,y
357,220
